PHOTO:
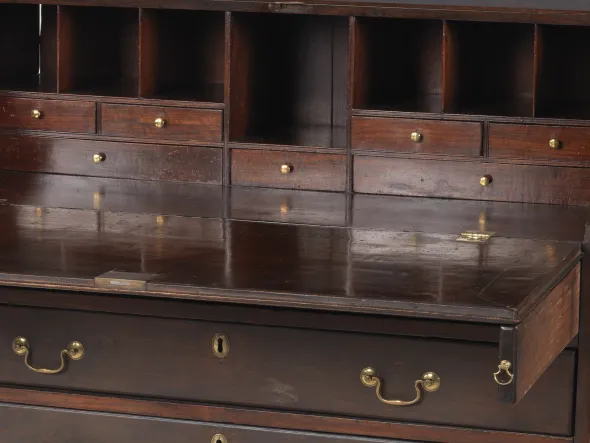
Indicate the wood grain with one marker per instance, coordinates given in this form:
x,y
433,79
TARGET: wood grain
x,y
56,115
310,171
448,179
438,137
121,160
202,125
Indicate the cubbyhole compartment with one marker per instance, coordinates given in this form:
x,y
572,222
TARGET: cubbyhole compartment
x,y
182,55
563,72
28,42
99,51
489,68
398,64
289,80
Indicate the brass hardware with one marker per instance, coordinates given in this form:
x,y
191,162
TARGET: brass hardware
x,y
485,180
286,169
220,344
74,351
416,137
475,236
134,281
554,143
430,382
504,366
159,123
36,114
219,438
99,158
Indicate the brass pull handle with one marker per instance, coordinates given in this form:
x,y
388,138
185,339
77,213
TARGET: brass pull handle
x,y
554,143
36,114
504,366
159,123
99,158
286,169
416,137
74,351
430,382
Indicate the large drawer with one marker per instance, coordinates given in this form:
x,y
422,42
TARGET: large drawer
x,y
110,159
286,169
417,136
162,122
280,368
48,115
44,425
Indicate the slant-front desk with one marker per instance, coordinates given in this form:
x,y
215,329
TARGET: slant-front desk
x,y
229,221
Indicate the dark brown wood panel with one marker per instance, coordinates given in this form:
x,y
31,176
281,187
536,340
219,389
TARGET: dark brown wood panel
x,y
122,160
54,115
434,136
252,417
539,142
198,125
259,372
432,178
307,171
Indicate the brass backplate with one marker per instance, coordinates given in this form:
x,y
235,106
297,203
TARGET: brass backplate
x,y
475,236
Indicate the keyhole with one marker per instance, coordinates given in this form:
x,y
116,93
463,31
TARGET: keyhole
x,y
219,438
220,348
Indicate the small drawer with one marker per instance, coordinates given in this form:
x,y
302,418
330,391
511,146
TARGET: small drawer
x,y
326,172
539,142
417,136
471,180
111,159
48,115
164,123
254,366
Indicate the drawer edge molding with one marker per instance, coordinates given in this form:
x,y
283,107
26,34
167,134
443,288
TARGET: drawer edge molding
x,y
282,420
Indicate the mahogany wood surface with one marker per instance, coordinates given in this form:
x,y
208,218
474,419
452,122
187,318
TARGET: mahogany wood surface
x,y
323,172
56,115
201,125
436,137
253,417
174,359
120,160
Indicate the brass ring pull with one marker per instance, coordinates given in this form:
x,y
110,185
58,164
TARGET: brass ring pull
x,y
504,366
74,351
430,382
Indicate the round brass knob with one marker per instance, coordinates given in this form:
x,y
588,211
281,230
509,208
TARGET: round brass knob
x,y
98,158
485,180
286,169
36,114
554,143
159,123
416,137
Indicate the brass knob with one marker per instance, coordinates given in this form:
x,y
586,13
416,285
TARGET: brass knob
x,y
485,180
416,137
554,143
286,169
98,158
159,123
36,114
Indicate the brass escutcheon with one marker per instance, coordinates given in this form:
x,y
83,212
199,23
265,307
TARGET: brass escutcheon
x,y
430,382
74,351
218,438
220,344
504,366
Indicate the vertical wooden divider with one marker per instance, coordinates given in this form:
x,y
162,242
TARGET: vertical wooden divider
x,y
352,90
64,49
147,79
537,63
48,48
227,63
449,64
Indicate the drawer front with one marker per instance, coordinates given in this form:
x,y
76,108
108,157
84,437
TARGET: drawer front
x,y
177,359
68,426
326,172
539,142
433,178
164,123
416,136
48,115
113,159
